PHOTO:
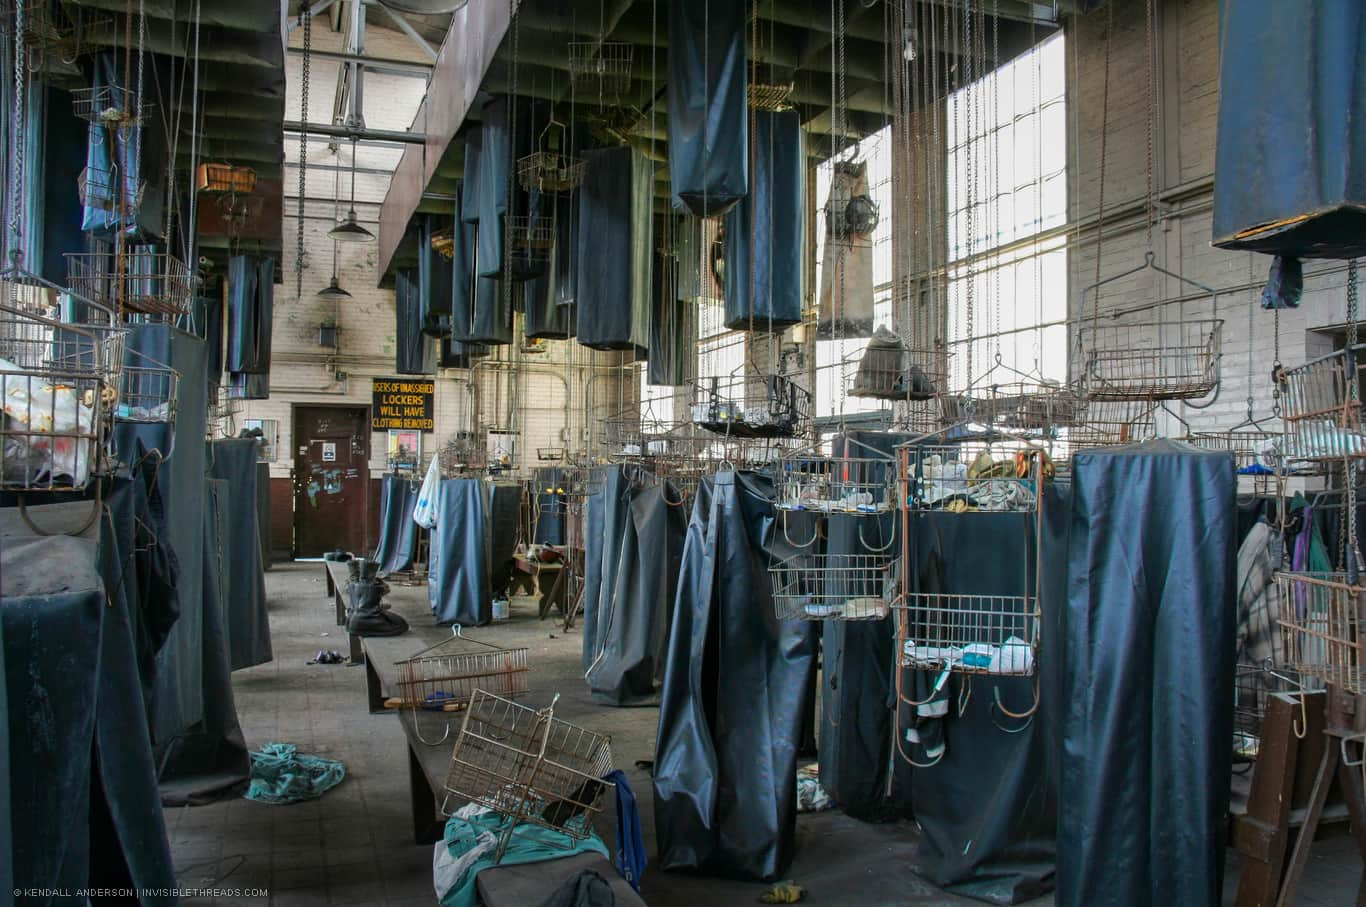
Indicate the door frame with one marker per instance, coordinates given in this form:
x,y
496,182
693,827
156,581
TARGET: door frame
x,y
368,435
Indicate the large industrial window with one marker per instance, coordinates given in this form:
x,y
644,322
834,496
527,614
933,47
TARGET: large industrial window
x,y
1006,178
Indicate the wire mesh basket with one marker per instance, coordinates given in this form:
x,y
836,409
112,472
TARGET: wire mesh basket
x,y
1320,616
54,402
529,766
137,280
821,586
1253,687
52,29
547,171
990,475
886,372
751,406
1322,414
108,105
148,391
1149,360
840,484
1109,423
1250,447
442,678
223,177
970,634
770,96
601,67
534,234
103,190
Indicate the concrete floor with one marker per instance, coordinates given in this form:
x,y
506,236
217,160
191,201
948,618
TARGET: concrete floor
x,y
355,846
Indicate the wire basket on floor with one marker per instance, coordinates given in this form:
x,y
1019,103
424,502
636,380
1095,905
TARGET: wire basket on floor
x,y
529,766
751,406
969,634
1320,616
442,678
1322,415
54,402
833,587
1150,360
144,282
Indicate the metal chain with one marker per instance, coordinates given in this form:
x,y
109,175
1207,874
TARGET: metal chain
x,y
1276,363
970,186
1152,91
1353,394
1104,135
17,138
306,14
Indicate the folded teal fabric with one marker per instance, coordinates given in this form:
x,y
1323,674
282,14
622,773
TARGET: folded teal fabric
x,y
280,775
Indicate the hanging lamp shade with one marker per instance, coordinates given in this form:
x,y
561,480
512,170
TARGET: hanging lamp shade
x,y
333,291
350,231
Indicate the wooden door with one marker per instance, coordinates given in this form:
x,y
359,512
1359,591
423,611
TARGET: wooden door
x,y
331,479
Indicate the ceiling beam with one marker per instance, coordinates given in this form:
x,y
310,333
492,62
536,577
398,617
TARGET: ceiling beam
x,y
390,64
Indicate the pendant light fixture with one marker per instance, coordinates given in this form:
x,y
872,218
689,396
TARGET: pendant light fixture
x,y
349,230
333,291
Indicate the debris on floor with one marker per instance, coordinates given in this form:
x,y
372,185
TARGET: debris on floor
x,y
783,893
328,657
811,797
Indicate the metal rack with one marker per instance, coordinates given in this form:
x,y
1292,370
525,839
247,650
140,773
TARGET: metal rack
x,y
1118,359
751,406
528,765
1320,616
969,634
138,281
821,586
443,677
55,394
1322,415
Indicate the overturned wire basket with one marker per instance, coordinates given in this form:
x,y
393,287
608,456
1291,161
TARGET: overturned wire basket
x,y
138,281
1320,616
821,586
969,634
1321,410
54,401
528,765
1149,360
442,678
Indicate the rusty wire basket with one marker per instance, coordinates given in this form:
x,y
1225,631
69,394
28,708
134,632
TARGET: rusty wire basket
x,y
137,280
549,171
529,766
103,190
1149,360
601,68
1320,617
862,483
1321,412
822,586
442,678
1109,423
751,406
991,474
969,634
108,105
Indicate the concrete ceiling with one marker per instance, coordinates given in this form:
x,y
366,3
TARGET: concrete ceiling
x,y
794,46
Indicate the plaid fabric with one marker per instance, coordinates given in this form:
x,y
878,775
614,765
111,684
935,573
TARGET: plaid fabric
x,y
1259,638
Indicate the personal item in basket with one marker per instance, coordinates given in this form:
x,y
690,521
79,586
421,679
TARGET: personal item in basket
x,y
48,429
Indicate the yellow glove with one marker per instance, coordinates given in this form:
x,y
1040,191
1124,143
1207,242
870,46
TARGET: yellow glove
x,y
783,893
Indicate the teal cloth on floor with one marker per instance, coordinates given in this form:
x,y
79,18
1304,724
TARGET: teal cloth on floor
x,y
529,844
280,775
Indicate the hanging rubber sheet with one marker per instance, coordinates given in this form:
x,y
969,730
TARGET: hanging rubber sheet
x,y
505,515
545,315
984,785
397,531
858,686
413,354
606,511
248,387
1290,162
708,105
458,564
115,162
60,137
735,689
1148,673
490,156
636,598
84,809
251,301
458,349
434,277
548,487
673,335
616,243
241,573
766,232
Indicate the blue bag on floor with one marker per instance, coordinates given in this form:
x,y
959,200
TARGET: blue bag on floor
x,y
630,854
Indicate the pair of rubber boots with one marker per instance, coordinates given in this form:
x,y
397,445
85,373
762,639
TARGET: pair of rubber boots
x,y
367,615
